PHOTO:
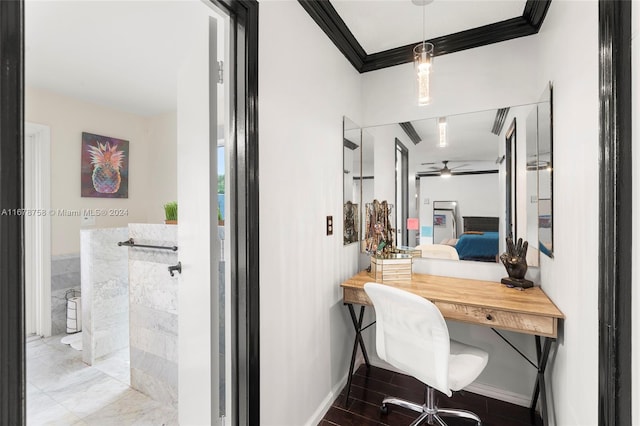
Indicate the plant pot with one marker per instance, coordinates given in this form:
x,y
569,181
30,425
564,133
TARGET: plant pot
x,y
171,222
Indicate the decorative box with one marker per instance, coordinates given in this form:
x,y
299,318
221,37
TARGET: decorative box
x,y
408,250
391,267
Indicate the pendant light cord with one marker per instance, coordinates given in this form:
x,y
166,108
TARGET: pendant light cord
x,y
424,8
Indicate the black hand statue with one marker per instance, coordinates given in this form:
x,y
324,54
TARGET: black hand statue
x,y
515,261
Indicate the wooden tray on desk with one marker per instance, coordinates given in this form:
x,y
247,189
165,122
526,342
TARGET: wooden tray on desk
x,y
485,303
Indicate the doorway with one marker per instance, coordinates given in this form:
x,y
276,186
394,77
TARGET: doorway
x,y
242,217
402,193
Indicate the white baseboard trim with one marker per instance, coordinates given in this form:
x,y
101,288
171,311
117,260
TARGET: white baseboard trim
x,y
327,402
499,394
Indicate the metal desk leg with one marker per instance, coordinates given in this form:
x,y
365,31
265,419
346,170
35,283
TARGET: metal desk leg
x,y
357,324
540,388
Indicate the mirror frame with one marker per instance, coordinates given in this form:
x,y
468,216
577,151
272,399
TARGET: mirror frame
x,y
351,209
548,252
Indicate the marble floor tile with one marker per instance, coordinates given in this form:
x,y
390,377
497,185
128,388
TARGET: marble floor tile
x,y
50,371
43,410
134,408
89,393
37,348
62,390
116,367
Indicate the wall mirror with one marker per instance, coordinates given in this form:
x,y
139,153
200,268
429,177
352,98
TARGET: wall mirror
x,y
539,177
545,174
459,159
352,151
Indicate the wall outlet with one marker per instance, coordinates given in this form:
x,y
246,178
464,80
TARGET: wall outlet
x,y
329,225
87,220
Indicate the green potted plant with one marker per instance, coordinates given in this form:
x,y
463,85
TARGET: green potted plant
x,y
171,213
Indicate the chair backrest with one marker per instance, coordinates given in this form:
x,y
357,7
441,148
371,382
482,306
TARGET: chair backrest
x,y
411,335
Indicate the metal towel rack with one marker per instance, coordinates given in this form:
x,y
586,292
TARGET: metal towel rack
x,y
131,243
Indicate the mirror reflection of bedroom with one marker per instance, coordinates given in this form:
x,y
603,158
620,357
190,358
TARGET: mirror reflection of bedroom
x,y
467,181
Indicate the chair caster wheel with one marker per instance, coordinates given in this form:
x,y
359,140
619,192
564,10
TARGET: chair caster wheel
x,y
384,409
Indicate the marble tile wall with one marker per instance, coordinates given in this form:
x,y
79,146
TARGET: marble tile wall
x,y
153,304
65,276
105,292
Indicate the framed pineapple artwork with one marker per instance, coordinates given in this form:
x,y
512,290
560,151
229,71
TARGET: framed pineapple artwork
x,y
104,167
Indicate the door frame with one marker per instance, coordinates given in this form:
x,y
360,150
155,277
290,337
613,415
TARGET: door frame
x,y
40,232
12,330
402,202
243,185
616,219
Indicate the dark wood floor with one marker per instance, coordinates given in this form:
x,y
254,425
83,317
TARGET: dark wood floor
x,y
369,388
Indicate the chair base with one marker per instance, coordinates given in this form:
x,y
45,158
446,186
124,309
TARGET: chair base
x,y
429,412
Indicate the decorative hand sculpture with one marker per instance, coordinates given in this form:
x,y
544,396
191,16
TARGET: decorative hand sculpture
x,y
515,261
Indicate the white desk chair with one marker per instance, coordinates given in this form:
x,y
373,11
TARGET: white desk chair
x,y
412,336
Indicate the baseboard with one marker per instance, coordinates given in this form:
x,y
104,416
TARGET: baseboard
x,y
499,394
327,402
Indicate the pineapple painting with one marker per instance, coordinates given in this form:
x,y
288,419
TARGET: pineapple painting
x,y
104,166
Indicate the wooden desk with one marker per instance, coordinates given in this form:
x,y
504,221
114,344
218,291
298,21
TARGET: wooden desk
x,y
485,303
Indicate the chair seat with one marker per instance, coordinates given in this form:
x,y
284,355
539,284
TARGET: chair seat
x,y
465,364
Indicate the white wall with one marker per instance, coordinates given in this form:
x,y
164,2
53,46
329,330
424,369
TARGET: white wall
x,y
570,60
152,174
306,86
476,195
635,301
162,148
488,77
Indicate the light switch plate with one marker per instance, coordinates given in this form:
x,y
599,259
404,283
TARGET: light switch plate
x,y
329,225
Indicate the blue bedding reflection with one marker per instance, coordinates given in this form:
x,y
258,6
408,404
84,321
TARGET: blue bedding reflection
x,y
481,246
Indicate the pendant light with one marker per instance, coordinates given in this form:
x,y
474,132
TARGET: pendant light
x,y
442,131
422,55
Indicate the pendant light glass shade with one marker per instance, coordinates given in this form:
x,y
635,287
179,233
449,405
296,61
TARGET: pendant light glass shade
x,y
442,131
422,55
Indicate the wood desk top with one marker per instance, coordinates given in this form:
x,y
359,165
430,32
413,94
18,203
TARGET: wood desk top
x,y
479,302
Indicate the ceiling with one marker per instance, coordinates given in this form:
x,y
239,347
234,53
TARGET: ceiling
x,y
122,54
383,25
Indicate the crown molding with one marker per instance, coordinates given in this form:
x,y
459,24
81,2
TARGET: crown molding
x,y
328,19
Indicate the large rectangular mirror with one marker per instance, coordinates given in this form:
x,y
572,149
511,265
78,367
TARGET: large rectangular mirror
x,y
461,158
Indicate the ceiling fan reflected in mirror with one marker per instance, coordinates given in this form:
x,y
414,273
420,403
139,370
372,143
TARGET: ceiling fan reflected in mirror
x,y
446,171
